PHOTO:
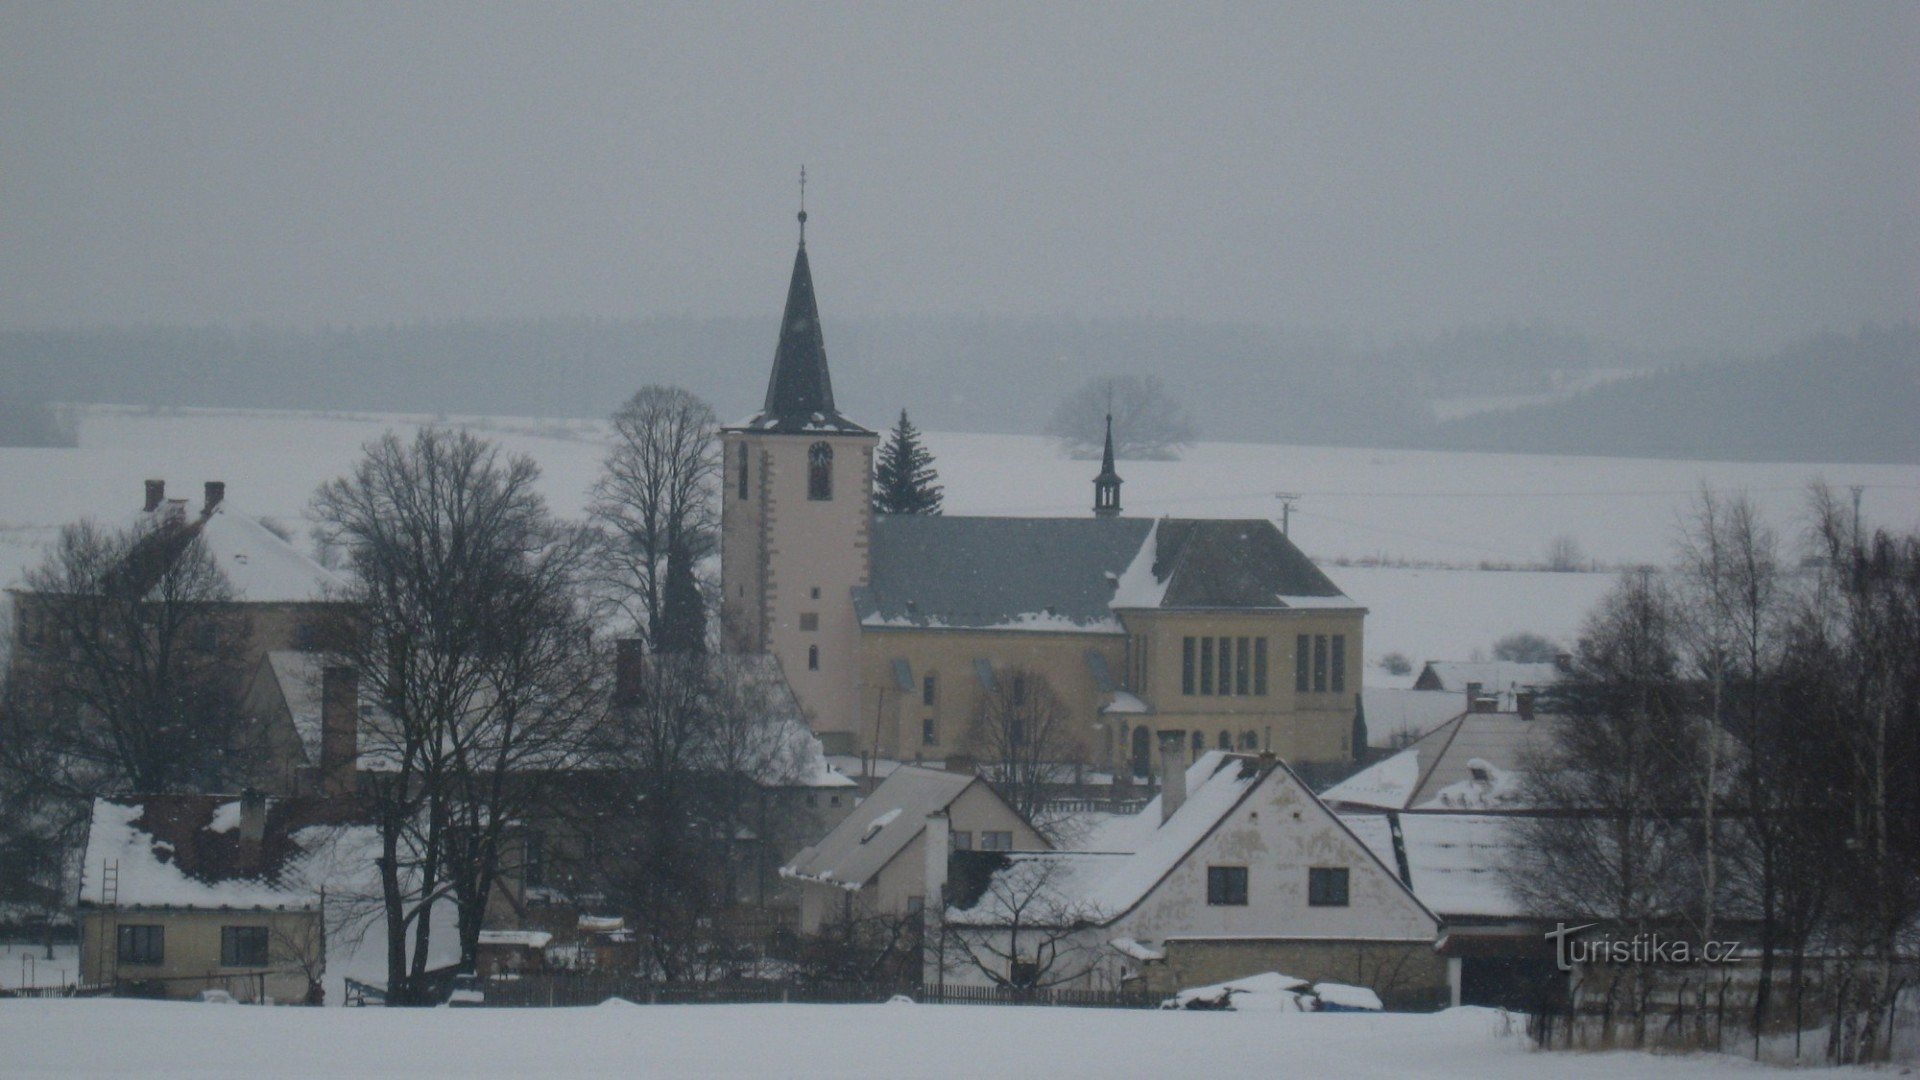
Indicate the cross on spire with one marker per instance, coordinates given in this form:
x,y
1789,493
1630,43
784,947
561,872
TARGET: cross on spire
x,y
803,206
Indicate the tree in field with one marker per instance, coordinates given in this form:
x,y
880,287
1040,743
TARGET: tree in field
x,y
465,630
1147,423
1525,647
1022,736
654,505
904,477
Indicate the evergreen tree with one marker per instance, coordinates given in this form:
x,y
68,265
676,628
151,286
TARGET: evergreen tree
x,y
903,482
683,615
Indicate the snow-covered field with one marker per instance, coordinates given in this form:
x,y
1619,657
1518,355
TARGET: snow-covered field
x,y
1377,505
108,1038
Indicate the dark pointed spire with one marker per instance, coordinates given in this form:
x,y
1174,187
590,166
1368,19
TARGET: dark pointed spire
x,y
800,390
1106,486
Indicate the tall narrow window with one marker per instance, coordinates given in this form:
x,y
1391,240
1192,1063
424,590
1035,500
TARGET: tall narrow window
x,y
1206,666
929,690
1260,666
929,733
1242,684
1186,665
1339,662
1226,666
1302,663
1319,663
813,658
743,469
820,472
1199,744
1226,741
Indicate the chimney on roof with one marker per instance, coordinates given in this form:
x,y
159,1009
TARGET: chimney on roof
x,y
216,491
629,671
339,730
156,494
253,816
1523,703
1173,773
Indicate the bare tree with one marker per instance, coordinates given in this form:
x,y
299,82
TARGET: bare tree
x,y
125,674
1021,734
1024,930
464,633
654,501
1147,423
1564,555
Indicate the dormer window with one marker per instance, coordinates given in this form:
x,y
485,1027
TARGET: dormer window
x,y
820,472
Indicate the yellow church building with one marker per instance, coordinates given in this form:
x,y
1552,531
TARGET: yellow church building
x,y
893,629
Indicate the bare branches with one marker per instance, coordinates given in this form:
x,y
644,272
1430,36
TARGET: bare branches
x,y
1022,734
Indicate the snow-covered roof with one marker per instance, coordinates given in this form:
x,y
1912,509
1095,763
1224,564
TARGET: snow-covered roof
x,y
187,851
879,828
1078,574
1397,715
1494,676
526,939
1473,761
1455,860
262,567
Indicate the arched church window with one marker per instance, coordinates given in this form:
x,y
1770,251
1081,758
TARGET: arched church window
x,y
743,470
1226,741
820,471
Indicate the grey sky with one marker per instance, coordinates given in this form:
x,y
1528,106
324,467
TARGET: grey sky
x,y
1693,175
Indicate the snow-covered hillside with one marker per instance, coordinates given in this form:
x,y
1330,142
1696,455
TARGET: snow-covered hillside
x,y
1457,509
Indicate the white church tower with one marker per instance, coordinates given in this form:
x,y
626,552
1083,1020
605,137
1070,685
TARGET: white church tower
x,y
796,510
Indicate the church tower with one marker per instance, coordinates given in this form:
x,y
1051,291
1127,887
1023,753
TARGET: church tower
x,y
796,508
1106,486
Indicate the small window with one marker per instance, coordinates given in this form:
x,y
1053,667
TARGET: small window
x,y
833,800
1302,663
1227,886
1226,741
929,690
1199,744
996,841
1327,886
1023,971
809,620
813,798
962,840
1249,741
916,904
813,658
143,944
929,732
743,470
820,472
243,946
814,592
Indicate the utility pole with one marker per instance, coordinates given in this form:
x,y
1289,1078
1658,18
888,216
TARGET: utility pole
x,y
1286,509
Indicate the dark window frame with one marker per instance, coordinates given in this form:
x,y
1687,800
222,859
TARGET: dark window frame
x,y
1302,663
745,455
1329,886
1260,667
141,943
1319,663
1186,666
1225,681
929,689
1227,886
996,840
929,732
1338,678
1206,667
820,472
813,658
244,946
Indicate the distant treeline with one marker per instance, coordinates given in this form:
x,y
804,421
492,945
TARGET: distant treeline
x,y
1821,401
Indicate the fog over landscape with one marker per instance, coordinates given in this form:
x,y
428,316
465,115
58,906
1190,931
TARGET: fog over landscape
x,y
1357,228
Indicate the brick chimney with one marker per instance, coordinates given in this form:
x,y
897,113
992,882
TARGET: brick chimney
x,y
216,491
629,670
156,494
1173,773
253,817
339,730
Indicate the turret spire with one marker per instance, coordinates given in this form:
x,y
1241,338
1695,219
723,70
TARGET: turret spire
x,y
800,390
1106,486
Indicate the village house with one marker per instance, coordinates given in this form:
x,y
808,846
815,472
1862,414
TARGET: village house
x,y
1235,869
892,628
188,893
872,865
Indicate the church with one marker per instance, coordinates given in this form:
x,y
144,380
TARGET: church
x,y
893,629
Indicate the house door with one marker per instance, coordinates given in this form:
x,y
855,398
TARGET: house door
x,y
1142,751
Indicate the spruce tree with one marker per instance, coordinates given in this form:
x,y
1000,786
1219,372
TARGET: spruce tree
x,y
683,615
903,481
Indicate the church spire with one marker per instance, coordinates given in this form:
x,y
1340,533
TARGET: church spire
x,y
1106,486
800,391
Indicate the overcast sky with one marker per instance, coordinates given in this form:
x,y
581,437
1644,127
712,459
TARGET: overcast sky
x,y
1713,174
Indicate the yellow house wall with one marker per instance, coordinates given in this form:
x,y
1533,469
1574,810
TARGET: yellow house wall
x,y
190,959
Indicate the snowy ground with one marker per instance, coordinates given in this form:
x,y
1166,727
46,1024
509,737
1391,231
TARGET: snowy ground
x,y
29,966
1377,505
105,1038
